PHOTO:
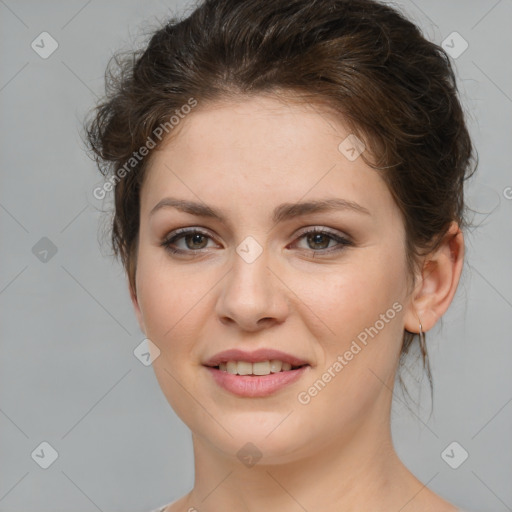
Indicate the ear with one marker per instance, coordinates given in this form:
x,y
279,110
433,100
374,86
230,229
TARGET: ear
x,y
136,307
438,283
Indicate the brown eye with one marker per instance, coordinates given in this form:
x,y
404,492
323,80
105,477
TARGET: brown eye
x,y
194,241
318,241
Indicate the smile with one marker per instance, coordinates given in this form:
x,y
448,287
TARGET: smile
x,y
252,385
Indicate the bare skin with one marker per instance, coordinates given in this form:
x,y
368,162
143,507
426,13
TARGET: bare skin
x,y
334,452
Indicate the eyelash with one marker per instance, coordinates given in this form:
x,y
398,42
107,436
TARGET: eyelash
x,y
181,233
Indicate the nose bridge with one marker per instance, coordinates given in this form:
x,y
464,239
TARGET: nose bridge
x,y
250,274
251,291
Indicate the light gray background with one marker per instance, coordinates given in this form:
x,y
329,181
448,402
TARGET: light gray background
x,y
68,375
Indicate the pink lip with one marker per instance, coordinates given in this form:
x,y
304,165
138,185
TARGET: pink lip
x,y
255,386
262,354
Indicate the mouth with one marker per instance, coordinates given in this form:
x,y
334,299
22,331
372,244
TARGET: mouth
x,y
256,382
258,373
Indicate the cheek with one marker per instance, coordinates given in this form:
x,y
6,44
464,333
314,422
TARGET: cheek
x,y
171,304
362,306
161,295
174,304
353,296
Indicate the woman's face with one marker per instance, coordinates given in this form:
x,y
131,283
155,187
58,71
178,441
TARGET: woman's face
x,y
256,280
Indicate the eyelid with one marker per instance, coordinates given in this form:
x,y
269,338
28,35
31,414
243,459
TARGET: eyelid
x,y
322,229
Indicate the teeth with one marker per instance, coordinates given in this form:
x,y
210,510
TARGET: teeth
x,y
275,366
243,368
260,368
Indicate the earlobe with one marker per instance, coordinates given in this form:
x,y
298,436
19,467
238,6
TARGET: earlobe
x,y
438,283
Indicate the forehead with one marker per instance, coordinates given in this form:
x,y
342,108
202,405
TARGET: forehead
x,y
267,122
260,151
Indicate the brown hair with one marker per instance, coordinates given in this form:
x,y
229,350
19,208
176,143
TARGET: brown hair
x,y
394,89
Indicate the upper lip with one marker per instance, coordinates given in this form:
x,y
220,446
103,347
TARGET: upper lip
x,y
262,354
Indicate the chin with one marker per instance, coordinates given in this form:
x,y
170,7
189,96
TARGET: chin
x,y
270,437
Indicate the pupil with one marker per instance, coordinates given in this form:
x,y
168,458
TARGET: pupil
x,y
317,236
196,238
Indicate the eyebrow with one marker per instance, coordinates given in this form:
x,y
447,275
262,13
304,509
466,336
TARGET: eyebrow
x,y
281,213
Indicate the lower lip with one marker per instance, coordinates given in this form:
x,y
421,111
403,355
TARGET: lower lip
x,y
255,386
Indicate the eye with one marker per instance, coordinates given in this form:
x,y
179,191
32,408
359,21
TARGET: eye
x,y
194,240
318,241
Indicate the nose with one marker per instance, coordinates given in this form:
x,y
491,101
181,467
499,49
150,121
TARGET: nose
x,y
252,296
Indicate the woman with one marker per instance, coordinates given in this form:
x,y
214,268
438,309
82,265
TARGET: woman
x,y
288,181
